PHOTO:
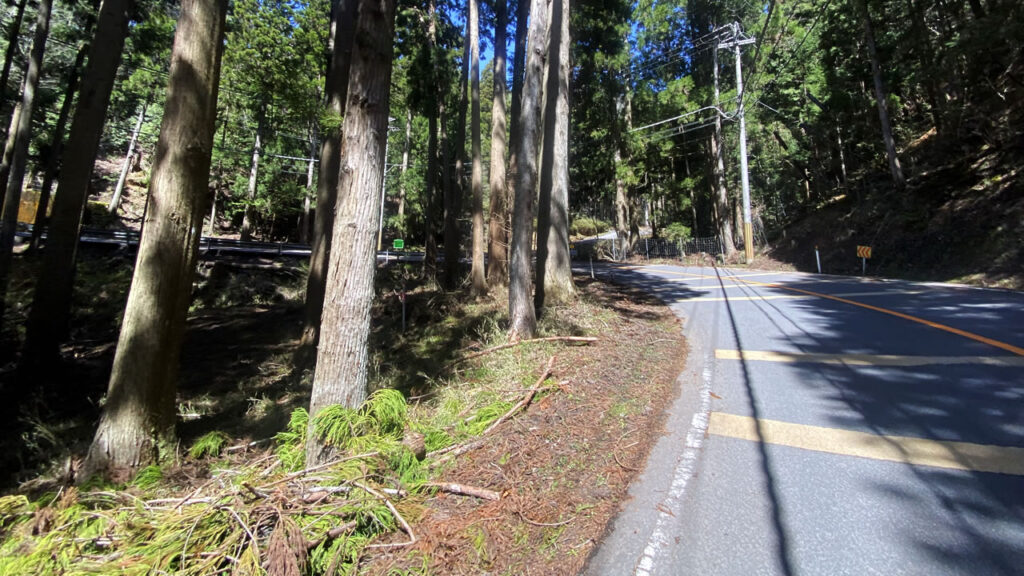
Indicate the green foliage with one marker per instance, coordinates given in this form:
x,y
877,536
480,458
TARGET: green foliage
x,y
677,232
587,226
387,409
210,444
150,477
291,442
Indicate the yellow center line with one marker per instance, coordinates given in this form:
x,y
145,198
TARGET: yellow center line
x,y
865,359
976,337
915,451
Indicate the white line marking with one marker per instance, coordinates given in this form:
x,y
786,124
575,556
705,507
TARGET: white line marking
x,y
683,472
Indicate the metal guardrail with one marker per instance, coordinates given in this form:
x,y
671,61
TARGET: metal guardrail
x,y
211,246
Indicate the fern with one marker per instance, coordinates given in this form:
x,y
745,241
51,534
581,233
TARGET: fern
x,y
387,409
291,442
150,476
209,444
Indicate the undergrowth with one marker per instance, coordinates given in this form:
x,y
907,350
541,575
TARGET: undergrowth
x,y
268,513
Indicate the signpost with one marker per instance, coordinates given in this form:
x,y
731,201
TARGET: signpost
x,y
863,252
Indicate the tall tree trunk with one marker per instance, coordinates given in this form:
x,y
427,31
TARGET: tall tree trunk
x,y
137,425
254,168
115,200
304,222
456,190
430,192
497,263
521,312
518,63
554,284
721,196
13,32
19,156
51,304
343,352
330,162
880,97
406,148
623,205
478,282
57,147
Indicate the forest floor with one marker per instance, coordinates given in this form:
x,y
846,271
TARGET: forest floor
x,y
560,464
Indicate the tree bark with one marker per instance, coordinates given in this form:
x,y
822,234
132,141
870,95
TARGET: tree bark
x,y
51,304
327,177
478,282
57,147
725,229
456,190
12,47
304,222
522,315
19,156
554,284
518,63
343,353
254,167
497,263
430,192
880,97
137,424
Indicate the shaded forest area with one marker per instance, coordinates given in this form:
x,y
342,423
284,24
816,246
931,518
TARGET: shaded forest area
x,y
172,411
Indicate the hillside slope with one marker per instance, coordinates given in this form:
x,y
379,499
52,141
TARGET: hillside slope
x,y
961,220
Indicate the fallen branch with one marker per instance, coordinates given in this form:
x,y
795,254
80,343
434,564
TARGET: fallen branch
x,y
459,449
583,339
630,468
405,525
331,534
526,399
465,490
302,473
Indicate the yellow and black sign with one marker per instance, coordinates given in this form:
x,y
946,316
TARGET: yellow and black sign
x,y
863,251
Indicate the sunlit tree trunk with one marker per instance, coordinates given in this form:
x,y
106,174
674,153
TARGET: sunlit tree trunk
x,y
721,196
254,168
456,187
522,315
51,304
137,425
342,31
477,281
497,262
518,63
343,353
554,284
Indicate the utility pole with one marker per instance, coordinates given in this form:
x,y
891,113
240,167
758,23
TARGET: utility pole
x,y
739,39
383,187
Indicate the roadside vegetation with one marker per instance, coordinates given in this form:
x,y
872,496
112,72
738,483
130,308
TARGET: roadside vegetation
x,y
469,456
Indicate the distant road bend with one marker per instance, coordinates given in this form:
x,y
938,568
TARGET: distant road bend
x,y
829,425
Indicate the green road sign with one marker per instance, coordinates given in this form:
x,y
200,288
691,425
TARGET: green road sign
x,y
398,244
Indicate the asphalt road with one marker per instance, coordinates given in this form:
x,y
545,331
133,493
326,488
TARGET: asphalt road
x,y
831,425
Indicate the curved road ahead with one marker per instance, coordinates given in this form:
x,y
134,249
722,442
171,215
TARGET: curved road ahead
x,y
830,425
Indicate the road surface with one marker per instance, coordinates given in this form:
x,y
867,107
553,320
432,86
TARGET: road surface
x,y
829,426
